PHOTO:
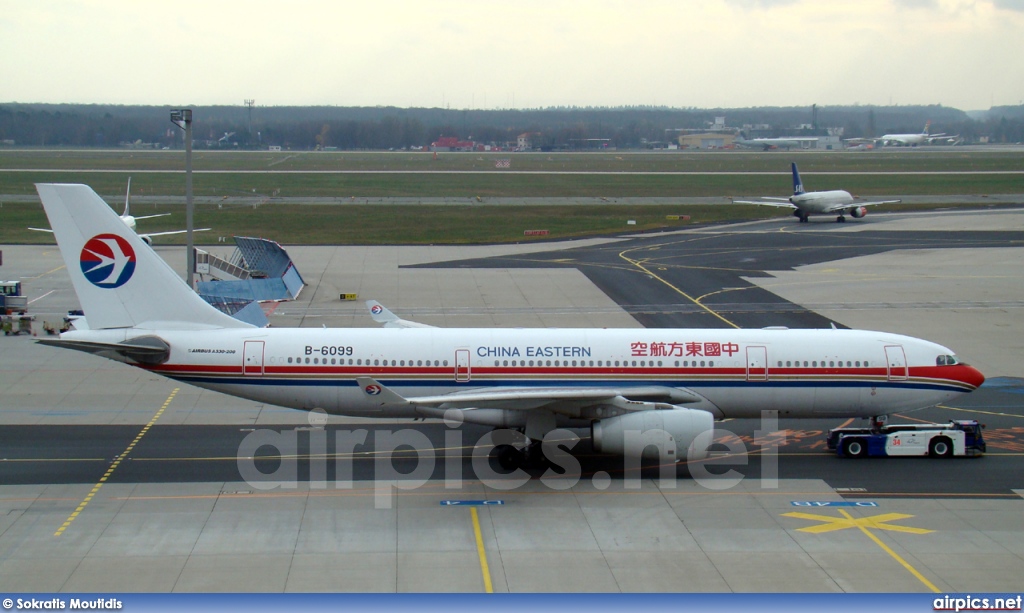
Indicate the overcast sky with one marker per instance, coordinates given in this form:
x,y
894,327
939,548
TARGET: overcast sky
x,y
967,54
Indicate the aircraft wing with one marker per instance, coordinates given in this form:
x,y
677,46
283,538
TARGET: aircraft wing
x,y
42,230
171,232
843,207
151,216
781,202
558,400
382,315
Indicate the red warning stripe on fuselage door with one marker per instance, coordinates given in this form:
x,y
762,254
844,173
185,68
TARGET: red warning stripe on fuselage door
x,y
896,362
252,358
462,369
757,363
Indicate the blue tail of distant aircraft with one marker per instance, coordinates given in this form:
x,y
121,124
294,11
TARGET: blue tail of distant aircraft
x,y
798,186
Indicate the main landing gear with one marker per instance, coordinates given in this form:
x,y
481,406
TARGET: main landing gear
x,y
841,219
801,215
511,458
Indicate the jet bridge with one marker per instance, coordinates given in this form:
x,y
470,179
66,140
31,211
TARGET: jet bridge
x,y
259,270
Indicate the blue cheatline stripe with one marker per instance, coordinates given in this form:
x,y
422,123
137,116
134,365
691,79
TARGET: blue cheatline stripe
x,y
544,383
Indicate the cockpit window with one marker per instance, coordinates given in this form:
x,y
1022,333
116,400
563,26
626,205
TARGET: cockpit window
x,y
946,360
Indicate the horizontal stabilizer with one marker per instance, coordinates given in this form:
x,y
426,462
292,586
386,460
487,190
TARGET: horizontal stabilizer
x,y
148,350
782,203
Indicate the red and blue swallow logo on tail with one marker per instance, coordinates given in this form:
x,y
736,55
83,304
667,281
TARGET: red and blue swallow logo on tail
x,y
107,260
376,309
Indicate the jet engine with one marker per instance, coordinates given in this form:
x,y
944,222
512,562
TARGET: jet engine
x,y
858,212
147,239
654,434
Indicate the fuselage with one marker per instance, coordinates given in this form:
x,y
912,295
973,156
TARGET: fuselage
x,y
821,202
904,139
737,373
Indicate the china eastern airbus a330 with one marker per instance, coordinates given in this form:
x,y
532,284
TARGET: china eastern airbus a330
x,y
628,386
833,202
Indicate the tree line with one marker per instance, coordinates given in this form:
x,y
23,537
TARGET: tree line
x,y
382,128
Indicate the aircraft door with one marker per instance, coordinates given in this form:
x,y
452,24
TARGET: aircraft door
x,y
252,358
462,368
896,362
757,363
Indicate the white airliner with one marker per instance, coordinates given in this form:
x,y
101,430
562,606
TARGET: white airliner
x,y
782,142
632,387
130,220
906,140
832,202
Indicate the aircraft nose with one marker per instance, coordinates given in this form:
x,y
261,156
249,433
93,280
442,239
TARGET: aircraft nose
x,y
971,376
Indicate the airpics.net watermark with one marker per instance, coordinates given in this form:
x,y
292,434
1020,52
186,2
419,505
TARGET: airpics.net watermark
x,y
705,457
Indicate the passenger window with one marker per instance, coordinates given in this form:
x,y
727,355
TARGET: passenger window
x,y
289,360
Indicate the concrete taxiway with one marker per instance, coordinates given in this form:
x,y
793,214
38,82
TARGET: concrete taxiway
x,y
103,503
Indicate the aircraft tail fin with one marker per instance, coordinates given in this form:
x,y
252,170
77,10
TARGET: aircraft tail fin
x,y
382,315
127,197
120,281
927,126
798,185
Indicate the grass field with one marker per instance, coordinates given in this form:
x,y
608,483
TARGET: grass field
x,y
264,176
893,160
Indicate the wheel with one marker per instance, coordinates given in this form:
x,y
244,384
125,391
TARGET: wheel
x,y
803,218
940,447
509,458
855,448
841,219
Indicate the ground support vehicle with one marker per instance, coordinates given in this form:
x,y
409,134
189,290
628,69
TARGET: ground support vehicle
x,y
956,438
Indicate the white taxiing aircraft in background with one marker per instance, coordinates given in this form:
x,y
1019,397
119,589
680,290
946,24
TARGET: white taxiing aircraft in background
x,y
641,392
832,202
130,220
781,142
906,140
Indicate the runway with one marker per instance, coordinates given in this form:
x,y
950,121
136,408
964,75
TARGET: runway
x,y
117,480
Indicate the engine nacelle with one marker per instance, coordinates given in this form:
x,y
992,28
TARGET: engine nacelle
x,y
147,239
655,434
858,212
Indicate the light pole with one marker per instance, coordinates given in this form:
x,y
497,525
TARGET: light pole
x,y
183,119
